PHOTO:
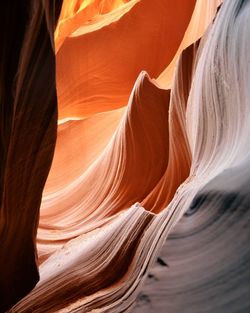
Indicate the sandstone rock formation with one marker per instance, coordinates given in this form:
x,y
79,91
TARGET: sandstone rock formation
x,y
146,205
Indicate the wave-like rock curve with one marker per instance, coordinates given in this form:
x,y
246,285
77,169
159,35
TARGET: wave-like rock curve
x,y
172,164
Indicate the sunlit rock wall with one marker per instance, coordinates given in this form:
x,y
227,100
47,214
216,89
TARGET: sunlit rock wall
x,y
146,205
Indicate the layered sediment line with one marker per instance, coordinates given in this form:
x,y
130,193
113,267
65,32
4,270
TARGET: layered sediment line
x,y
144,166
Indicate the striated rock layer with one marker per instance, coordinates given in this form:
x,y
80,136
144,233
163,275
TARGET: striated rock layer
x,y
138,160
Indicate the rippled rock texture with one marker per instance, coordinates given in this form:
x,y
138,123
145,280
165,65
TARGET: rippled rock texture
x,y
146,205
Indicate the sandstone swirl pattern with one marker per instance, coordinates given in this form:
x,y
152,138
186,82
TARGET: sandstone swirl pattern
x,y
146,205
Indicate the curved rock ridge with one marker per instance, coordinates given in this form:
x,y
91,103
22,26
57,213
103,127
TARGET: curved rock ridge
x,y
103,64
76,148
105,188
203,14
78,17
146,207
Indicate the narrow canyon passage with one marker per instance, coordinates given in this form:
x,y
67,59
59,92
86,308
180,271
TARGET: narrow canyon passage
x,y
125,131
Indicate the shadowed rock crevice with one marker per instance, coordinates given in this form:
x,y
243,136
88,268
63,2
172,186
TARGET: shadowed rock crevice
x,y
28,115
